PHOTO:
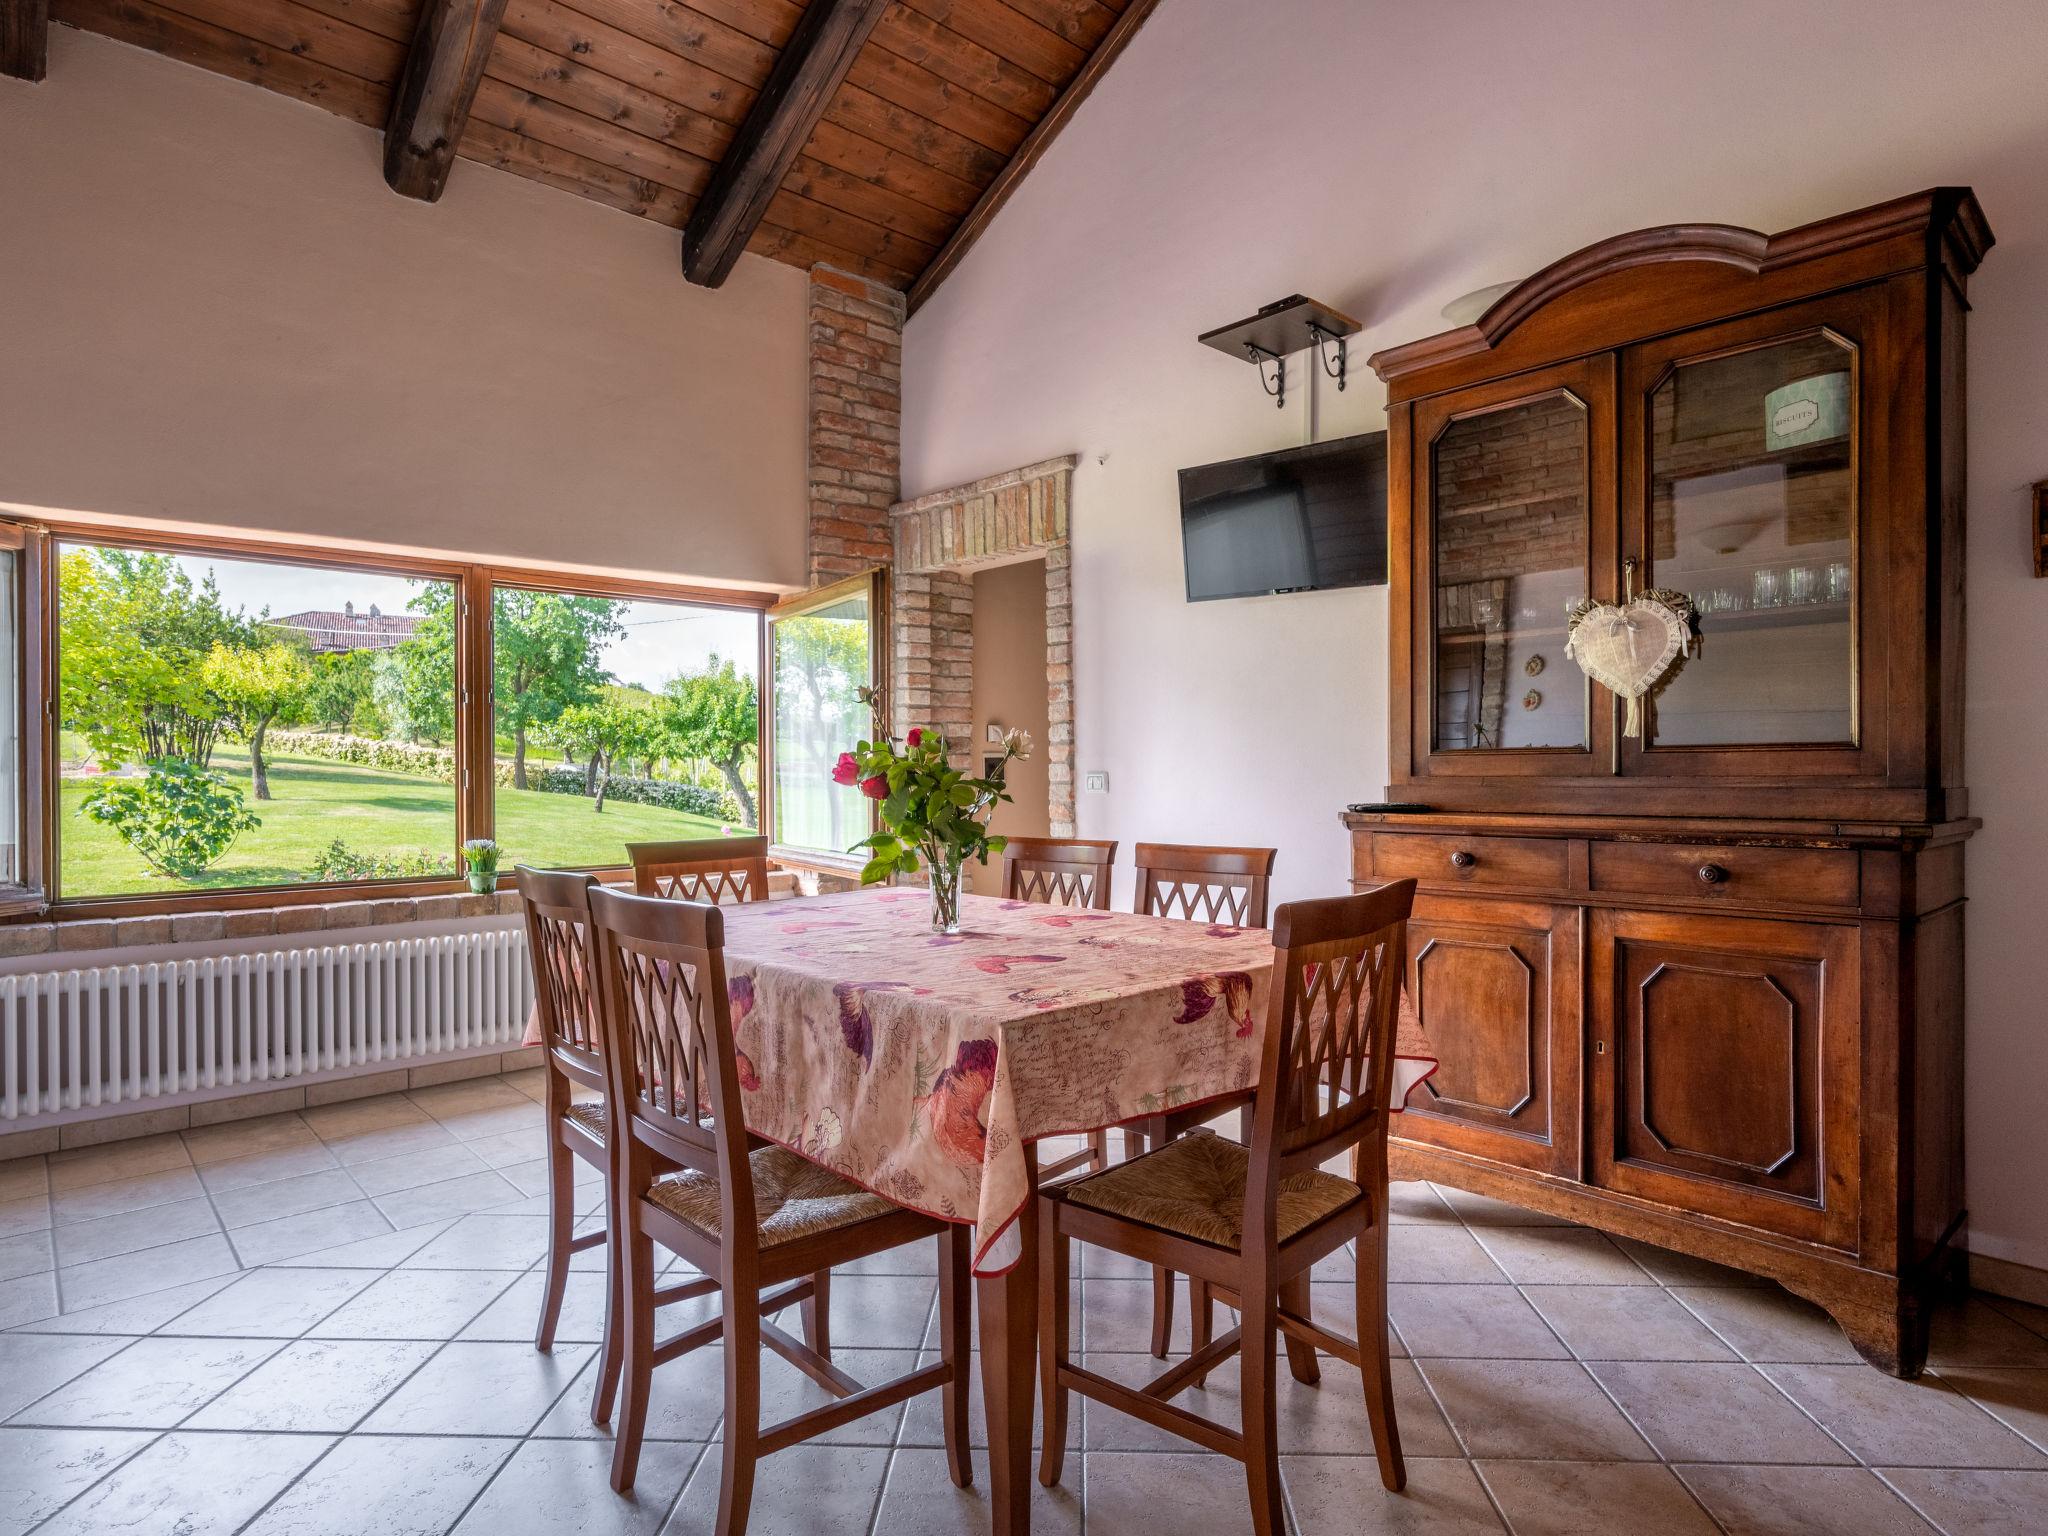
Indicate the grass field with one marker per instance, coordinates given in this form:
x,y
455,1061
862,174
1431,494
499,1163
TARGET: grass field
x,y
315,801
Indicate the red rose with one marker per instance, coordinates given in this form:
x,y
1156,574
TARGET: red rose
x,y
846,770
916,737
876,788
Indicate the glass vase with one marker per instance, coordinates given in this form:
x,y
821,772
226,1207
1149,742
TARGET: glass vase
x,y
945,881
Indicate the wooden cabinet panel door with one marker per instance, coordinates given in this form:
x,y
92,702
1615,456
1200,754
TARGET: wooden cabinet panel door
x,y
1495,984
1725,1067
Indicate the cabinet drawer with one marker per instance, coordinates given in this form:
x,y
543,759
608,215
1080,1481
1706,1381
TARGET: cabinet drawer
x,y
1451,859
1800,876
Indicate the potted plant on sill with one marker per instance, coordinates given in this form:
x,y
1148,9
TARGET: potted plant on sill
x,y
934,817
481,856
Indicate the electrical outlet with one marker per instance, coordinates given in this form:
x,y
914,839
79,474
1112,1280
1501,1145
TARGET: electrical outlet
x,y
1095,783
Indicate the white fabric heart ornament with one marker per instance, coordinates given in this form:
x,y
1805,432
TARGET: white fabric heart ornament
x,y
1633,648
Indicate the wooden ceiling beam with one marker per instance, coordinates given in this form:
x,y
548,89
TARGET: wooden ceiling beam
x,y
1031,150
430,105
807,73
24,38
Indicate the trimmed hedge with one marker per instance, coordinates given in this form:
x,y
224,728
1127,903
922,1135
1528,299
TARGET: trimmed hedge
x,y
439,763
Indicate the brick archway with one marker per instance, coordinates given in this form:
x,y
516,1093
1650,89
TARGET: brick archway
x,y
938,542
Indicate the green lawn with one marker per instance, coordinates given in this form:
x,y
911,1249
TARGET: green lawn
x,y
315,801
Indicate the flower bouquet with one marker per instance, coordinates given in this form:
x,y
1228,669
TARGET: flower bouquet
x,y
933,815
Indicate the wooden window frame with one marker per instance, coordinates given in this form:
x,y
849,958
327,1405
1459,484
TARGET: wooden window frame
x,y
875,583
474,740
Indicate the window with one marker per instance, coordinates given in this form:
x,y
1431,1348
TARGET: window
x,y
620,720
823,649
236,722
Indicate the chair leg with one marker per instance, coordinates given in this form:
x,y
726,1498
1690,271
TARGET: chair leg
x,y
1372,1355
1259,1389
636,1251
1055,1279
817,1314
561,1228
1162,1310
742,1429
611,1352
1098,1151
956,1348
1201,1320
1301,1355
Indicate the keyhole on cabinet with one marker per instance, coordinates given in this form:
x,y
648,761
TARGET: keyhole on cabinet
x,y
1599,1047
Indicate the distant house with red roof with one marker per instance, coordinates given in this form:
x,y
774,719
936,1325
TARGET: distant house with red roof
x,y
330,631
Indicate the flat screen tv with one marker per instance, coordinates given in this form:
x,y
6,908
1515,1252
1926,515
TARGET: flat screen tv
x,y
1295,521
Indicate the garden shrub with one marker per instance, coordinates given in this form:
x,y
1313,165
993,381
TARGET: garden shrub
x,y
178,817
338,861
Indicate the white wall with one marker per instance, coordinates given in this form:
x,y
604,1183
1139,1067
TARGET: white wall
x,y
213,311
1387,157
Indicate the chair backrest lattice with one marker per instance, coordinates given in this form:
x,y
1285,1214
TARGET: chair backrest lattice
x,y
1058,871
1205,885
720,870
557,911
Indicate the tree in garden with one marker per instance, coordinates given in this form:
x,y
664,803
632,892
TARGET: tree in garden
x,y
618,726
179,817
256,687
342,693
715,714
134,631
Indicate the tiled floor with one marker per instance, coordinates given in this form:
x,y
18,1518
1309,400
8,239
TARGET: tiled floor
x,y
319,1324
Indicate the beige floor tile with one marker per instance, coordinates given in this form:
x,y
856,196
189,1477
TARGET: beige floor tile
x,y
452,1197
923,1426
480,1389
152,1384
1552,1498
402,1140
489,1240
1972,1332
47,1468
684,1402
29,1253
269,1304
920,1500
380,1252
390,1485
195,1485
138,1274
1671,1268
2032,1318
1432,1253
360,1117
35,1364
90,1202
117,1160
516,1312
267,1167
509,1148
1481,1322
236,1139
531,1081
1485,1211
471,1095
1886,1421
1625,1322
133,1231
1706,1412
28,1299
1414,1202
1182,1494
1115,1316
1343,1496
29,1214
1517,1409
325,1385
21,1177
2018,1397
1977,1503
388,1175
1560,1256
289,1236
414,1304
526,1118
1769,1325
254,1203
137,1315
1802,1501
808,1490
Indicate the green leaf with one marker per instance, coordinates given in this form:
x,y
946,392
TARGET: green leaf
x,y
877,869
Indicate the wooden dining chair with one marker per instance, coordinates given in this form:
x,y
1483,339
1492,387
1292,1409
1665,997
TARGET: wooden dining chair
x,y
714,869
1063,872
1246,1223
557,908
753,1217
1227,886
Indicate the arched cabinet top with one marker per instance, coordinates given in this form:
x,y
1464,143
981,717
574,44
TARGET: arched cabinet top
x,y
1630,286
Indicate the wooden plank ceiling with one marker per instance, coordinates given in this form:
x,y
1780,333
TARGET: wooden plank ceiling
x,y
634,103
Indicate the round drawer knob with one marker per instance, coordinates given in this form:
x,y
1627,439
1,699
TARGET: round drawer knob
x,y
1712,874
1463,859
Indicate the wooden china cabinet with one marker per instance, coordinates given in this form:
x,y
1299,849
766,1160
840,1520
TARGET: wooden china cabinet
x,y
1700,986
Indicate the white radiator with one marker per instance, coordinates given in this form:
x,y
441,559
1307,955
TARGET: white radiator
x,y
118,1034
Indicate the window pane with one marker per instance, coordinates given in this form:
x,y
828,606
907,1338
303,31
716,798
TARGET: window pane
x,y
1510,490
1752,507
248,723
10,718
620,722
821,663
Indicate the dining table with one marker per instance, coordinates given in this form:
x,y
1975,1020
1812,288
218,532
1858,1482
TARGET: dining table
x,y
924,1066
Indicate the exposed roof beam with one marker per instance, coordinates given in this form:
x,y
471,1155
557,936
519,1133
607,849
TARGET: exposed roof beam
x,y
24,38
1035,144
432,100
807,72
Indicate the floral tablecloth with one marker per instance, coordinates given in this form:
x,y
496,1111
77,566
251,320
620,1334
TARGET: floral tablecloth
x,y
923,1067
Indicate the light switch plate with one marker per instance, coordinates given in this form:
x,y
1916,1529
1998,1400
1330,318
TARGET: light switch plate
x,y
1095,783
